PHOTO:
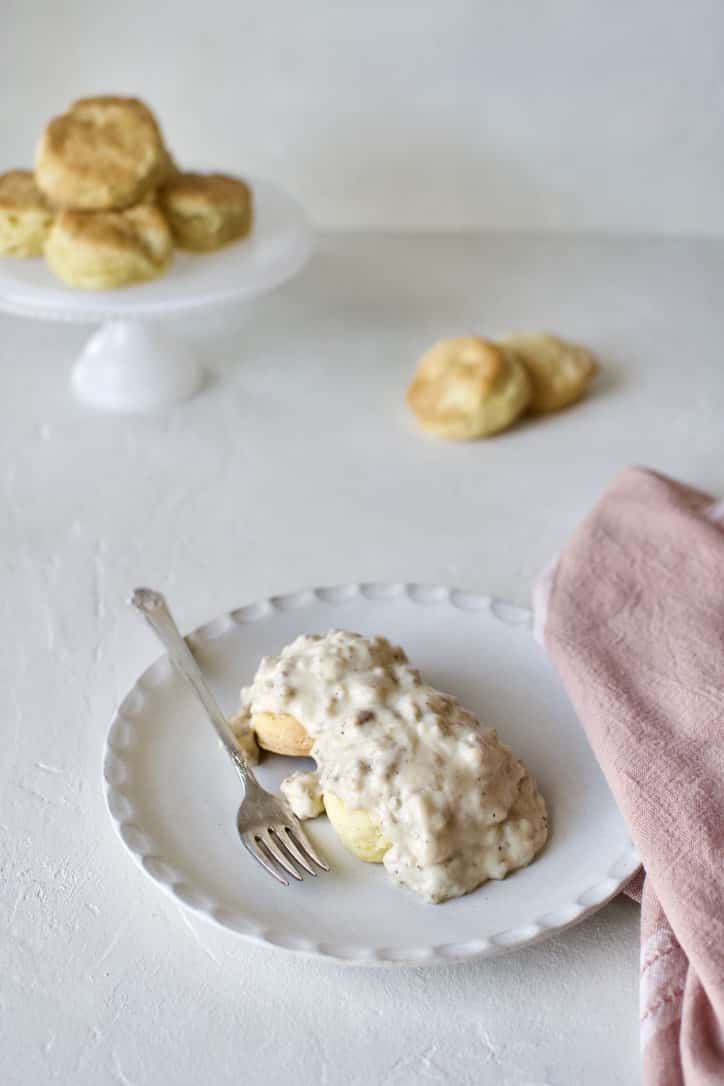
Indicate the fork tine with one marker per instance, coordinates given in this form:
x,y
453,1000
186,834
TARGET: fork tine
x,y
253,849
300,839
268,842
287,842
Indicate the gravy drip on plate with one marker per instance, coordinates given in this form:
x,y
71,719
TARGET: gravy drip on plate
x,y
455,805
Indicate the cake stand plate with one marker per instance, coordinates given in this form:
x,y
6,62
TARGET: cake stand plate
x,y
132,362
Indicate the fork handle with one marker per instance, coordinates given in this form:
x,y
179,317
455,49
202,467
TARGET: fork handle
x,y
155,610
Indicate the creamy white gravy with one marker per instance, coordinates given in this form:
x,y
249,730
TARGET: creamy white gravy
x,y
455,805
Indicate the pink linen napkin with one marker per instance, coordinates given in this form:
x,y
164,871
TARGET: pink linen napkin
x,y
632,616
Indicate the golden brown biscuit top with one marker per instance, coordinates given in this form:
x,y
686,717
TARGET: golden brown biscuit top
x,y
114,229
455,375
18,191
104,101
464,356
102,138
110,108
546,353
204,189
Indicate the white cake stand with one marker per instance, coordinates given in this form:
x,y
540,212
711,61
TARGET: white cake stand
x,y
132,363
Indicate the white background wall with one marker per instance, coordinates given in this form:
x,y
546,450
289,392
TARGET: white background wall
x,y
559,115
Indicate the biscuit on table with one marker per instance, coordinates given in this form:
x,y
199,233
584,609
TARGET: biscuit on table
x,y
559,372
25,218
102,153
467,388
98,250
206,211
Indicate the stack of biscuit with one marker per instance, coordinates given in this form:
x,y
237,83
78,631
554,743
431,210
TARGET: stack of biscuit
x,y
106,203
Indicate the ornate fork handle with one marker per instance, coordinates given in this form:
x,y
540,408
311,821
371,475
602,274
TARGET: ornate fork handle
x,y
154,608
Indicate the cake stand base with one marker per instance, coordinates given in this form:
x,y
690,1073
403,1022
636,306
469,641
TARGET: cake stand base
x,y
134,366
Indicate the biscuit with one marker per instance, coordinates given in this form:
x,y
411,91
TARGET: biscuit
x,y
101,154
25,218
103,249
357,829
206,211
281,734
559,372
467,388
168,170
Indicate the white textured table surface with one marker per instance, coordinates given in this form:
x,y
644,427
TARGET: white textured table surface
x,y
299,465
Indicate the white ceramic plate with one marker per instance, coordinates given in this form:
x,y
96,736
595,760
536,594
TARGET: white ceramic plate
x,y
173,794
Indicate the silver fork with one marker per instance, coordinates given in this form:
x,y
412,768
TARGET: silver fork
x,y
267,828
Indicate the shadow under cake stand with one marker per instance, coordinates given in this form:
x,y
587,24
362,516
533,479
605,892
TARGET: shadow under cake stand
x,y
132,362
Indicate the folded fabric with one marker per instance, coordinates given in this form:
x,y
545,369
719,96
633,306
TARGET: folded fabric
x,y
632,616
